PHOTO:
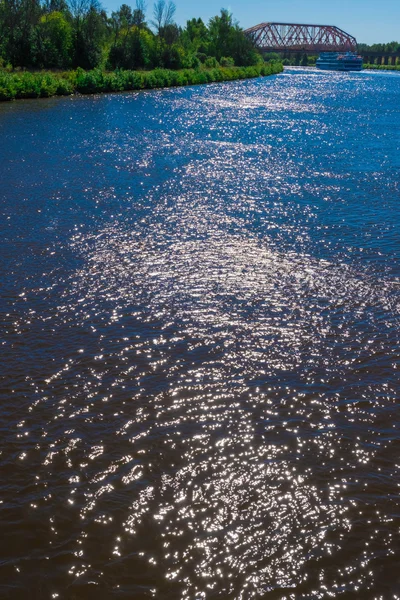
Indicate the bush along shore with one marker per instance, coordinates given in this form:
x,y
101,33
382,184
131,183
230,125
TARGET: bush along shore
x,y
382,67
45,84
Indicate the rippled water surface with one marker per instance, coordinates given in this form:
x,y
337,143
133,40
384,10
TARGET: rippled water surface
x,y
200,296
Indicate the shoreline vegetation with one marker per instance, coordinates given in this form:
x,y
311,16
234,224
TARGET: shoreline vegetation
x,y
381,67
26,84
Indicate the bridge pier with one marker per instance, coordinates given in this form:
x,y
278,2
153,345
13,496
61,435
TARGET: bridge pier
x,y
381,58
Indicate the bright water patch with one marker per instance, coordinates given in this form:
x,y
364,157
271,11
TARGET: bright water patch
x,y
200,352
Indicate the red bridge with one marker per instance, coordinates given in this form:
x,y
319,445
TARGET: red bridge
x,y
289,37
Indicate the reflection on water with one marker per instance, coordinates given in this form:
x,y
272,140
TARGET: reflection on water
x,y
200,350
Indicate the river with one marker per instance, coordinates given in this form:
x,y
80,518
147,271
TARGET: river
x,y
200,298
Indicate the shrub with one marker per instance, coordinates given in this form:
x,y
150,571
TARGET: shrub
x,y
27,85
227,61
113,82
133,80
201,77
64,87
6,67
48,85
36,85
211,62
7,87
89,82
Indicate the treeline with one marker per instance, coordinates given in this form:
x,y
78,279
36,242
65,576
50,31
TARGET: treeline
x,y
384,48
67,34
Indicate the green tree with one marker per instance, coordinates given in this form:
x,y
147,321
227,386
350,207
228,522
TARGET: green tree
x,y
139,14
195,37
50,6
134,49
163,14
130,47
227,39
18,36
54,33
89,29
219,29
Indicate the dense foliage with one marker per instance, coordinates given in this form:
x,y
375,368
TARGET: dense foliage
x,y
65,34
384,48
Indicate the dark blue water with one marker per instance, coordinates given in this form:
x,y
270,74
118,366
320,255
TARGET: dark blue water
x,y
200,298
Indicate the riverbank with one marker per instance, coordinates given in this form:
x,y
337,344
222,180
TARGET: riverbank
x,y
25,84
382,67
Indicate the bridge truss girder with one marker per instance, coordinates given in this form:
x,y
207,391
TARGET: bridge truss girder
x,y
291,37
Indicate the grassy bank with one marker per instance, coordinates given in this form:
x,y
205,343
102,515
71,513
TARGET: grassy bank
x,y
45,84
382,67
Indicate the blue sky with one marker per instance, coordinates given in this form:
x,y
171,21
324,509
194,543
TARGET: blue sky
x,y
370,21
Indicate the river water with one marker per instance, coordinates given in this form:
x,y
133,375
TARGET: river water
x,y
200,298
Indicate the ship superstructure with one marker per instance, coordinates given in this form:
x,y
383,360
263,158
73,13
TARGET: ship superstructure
x,y
339,61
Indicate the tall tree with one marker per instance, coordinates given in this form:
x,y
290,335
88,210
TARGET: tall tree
x,y
130,46
139,14
89,28
228,40
163,14
19,19
54,34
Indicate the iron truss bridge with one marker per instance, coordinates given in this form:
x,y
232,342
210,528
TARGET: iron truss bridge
x,y
289,38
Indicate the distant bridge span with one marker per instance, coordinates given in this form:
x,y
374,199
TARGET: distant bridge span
x,y
291,37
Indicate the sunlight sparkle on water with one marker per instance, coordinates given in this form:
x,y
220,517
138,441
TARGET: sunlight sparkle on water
x,y
203,342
